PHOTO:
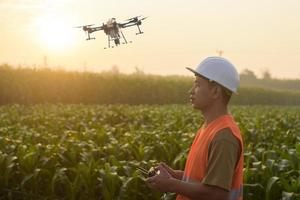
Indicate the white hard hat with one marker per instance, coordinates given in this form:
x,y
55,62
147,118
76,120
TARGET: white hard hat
x,y
219,70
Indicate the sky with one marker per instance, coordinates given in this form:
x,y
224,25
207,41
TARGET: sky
x,y
258,35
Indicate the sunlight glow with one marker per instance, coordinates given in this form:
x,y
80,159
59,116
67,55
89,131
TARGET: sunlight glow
x,y
55,33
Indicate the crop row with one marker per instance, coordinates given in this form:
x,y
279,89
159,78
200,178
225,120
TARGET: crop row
x,y
91,152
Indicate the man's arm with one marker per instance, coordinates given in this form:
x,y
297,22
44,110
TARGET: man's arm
x,y
166,183
223,156
224,153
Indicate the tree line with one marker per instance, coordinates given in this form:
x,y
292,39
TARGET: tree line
x,y
249,79
35,86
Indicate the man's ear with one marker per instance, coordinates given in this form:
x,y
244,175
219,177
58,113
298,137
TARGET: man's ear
x,y
216,91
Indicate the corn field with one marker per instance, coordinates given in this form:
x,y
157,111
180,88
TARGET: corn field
x,y
55,151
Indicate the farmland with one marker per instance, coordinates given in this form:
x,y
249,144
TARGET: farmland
x,y
56,151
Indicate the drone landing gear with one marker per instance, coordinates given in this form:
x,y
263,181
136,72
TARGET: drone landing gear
x,y
140,32
89,37
123,37
108,39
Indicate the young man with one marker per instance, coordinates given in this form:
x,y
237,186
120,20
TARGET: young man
x,y
214,166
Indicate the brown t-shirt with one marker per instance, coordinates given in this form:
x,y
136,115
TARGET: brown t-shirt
x,y
223,155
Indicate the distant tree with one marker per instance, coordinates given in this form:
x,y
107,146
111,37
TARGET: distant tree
x,y
138,71
248,75
267,75
5,66
115,69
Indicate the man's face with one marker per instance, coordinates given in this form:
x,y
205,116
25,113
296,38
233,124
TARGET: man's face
x,y
200,94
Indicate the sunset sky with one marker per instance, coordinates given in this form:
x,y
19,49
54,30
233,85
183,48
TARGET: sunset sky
x,y
258,35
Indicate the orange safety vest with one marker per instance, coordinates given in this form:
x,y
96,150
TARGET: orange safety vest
x,y
197,159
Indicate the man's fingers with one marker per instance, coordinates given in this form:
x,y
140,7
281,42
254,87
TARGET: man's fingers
x,y
150,185
162,164
151,182
158,165
167,167
163,172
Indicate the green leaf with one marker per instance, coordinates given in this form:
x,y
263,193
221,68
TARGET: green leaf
x,y
271,183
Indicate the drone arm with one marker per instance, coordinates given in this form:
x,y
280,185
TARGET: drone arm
x,y
127,24
138,23
99,28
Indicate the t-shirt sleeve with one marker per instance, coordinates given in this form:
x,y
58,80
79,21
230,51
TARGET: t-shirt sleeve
x,y
224,152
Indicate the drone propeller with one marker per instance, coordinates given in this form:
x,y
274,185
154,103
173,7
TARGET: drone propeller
x,y
143,18
133,18
84,26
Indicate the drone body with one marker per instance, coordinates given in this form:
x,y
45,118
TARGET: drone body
x,y
113,29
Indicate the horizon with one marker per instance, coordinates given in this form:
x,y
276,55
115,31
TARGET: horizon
x,y
257,35
115,69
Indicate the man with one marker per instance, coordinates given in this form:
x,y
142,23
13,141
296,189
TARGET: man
x,y
214,166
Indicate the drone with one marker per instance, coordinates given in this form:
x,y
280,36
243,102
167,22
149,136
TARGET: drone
x,y
113,29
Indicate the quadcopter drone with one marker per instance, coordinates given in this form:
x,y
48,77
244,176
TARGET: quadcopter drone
x,y
113,29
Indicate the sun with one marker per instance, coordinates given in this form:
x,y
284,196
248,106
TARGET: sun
x,y
55,33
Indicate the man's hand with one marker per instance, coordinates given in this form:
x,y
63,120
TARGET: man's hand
x,y
162,181
166,167
177,174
